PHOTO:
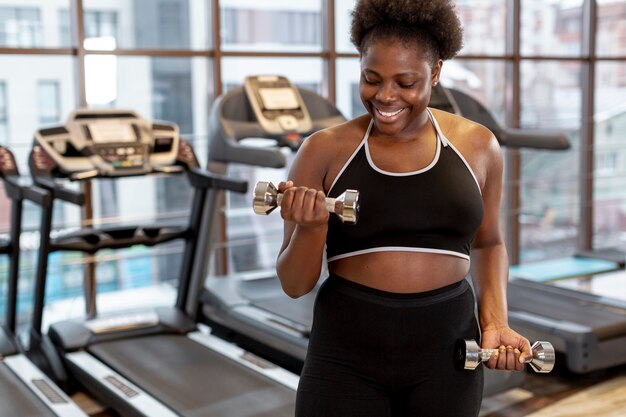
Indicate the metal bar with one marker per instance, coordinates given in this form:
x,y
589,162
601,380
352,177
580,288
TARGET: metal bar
x,y
14,270
42,267
217,50
37,51
585,235
512,162
329,43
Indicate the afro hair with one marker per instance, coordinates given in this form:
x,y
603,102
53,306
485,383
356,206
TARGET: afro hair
x,y
433,23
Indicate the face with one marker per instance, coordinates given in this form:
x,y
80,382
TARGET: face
x,y
395,86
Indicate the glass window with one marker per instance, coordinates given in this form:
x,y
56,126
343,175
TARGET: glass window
x,y
4,117
20,27
482,79
611,35
271,25
171,89
144,24
343,20
21,78
550,196
484,26
551,28
609,193
49,102
348,97
34,24
303,72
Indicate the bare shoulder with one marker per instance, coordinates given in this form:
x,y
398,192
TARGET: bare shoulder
x,y
466,134
320,152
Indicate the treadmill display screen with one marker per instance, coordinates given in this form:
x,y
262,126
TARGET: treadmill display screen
x,y
278,98
112,132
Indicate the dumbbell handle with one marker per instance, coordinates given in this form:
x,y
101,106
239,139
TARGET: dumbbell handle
x,y
332,204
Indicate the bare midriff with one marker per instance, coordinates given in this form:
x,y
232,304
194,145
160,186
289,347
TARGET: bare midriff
x,y
401,272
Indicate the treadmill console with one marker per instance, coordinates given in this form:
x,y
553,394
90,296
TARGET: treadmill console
x,y
107,143
277,105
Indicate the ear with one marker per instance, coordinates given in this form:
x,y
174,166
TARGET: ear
x,y
434,79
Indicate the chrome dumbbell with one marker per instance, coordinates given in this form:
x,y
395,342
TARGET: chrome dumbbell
x,y
468,355
267,198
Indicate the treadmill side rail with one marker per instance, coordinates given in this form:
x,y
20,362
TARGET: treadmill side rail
x,y
52,396
242,357
134,396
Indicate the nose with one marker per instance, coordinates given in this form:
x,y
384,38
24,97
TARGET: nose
x,y
385,93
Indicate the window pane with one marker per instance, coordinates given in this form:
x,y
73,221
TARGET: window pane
x,y
36,24
551,99
4,127
484,26
611,35
49,102
609,196
343,20
348,97
482,79
145,24
21,77
271,25
303,72
172,89
551,28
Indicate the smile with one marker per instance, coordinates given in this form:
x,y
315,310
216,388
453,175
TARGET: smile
x,y
389,114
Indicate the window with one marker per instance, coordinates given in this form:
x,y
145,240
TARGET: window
x,y
20,27
49,102
277,25
4,127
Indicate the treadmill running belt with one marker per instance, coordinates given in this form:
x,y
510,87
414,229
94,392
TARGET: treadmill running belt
x,y
193,380
299,311
569,306
16,399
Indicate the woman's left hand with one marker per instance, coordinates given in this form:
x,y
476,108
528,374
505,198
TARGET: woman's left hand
x,y
513,349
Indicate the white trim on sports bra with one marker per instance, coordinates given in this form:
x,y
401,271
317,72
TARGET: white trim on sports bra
x,y
399,249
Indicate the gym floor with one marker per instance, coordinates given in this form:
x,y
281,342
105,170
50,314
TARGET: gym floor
x,y
558,394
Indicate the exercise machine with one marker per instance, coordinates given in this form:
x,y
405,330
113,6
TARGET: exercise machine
x,y
25,390
154,362
250,307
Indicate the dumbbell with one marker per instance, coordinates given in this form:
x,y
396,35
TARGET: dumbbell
x,y
468,355
267,198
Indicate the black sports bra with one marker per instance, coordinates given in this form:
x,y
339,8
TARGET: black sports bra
x,y
436,209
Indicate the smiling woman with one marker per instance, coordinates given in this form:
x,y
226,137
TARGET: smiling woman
x,y
397,298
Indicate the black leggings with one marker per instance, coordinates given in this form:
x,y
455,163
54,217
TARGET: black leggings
x,y
378,354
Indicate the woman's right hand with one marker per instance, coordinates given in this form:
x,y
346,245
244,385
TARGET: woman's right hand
x,y
302,205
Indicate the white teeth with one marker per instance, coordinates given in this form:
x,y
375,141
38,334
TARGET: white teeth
x,y
389,114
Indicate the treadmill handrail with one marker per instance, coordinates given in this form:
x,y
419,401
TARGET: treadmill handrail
x,y
533,139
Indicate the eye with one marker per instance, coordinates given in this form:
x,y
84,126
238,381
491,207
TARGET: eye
x,y
407,85
369,81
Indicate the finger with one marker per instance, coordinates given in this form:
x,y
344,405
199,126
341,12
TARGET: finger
x,y
283,185
308,205
320,204
501,363
519,366
286,206
526,354
511,360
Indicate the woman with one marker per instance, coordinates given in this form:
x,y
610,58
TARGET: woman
x,y
397,299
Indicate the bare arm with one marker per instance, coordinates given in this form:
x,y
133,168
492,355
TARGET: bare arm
x,y
303,208
489,266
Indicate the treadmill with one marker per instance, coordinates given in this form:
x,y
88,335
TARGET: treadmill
x,y
25,390
250,307
155,362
